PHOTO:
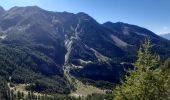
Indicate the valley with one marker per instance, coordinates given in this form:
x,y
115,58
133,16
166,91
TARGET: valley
x,y
69,55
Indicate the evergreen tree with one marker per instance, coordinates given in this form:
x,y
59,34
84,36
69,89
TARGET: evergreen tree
x,y
19,95
12,94
146,81
29,96
22,94
166,76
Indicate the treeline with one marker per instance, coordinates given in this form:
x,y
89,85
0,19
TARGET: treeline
x,y
11,94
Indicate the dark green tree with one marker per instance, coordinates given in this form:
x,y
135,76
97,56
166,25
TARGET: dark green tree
x,y
19,95
166,76
29,96
146,81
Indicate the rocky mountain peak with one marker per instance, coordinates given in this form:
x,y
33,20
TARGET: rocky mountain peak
x,y
86,17
28,9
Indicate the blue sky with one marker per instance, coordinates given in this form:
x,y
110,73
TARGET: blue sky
x,y
151,14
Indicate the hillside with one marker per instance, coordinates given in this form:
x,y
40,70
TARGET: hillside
x,y
47,50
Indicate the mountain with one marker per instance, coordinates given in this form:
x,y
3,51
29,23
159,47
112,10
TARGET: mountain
x,y
48,50
134,35
166,36
2,11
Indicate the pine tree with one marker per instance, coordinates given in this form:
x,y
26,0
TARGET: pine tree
x,y
145,82
19,95
29,96
22,94
12,94
166,76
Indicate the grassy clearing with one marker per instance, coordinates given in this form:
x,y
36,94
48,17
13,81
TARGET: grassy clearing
x,y
84,90
21,88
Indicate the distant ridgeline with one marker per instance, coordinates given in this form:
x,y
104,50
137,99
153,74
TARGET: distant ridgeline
x,y
166,36
46,51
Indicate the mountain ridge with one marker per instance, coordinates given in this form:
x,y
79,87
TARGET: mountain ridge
x,y
2,11
56,46
167,36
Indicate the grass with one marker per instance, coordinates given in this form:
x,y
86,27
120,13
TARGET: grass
x,y
84,90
